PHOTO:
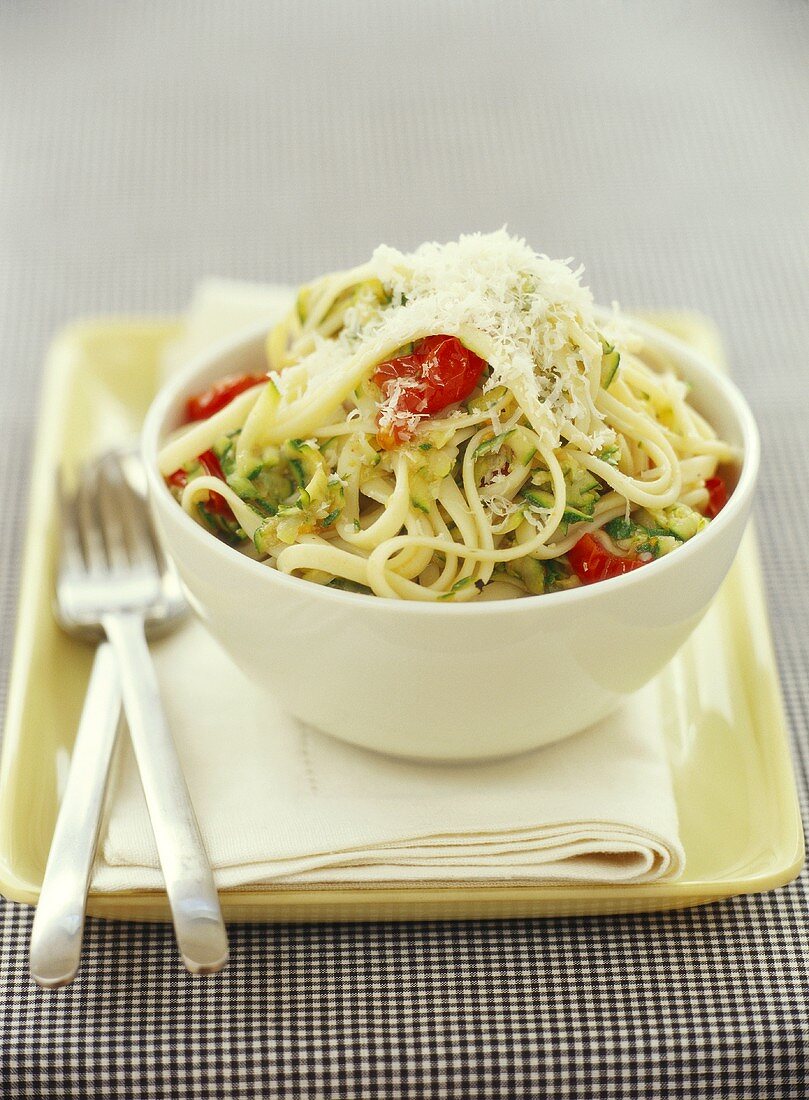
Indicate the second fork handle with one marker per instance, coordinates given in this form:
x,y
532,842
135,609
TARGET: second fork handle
x,y
192,894
58,927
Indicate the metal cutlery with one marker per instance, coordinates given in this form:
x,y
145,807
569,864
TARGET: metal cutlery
x,y
113,583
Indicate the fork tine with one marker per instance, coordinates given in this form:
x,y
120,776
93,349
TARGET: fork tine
x,y
134,475
95,555
134,520
111,492
133,471
71,554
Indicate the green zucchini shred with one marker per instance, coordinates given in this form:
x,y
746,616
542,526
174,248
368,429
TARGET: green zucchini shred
x,y
492,445
610,360
349,586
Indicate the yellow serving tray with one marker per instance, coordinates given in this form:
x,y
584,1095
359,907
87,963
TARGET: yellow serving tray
x,y
739,816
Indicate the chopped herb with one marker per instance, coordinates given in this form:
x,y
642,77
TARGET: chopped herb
x,y
464,582
620,528
219,525
610,454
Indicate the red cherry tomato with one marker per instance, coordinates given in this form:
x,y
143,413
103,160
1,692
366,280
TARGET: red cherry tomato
x,y
219,395
179,479
202,406
211,465
717,495
591,561
438,373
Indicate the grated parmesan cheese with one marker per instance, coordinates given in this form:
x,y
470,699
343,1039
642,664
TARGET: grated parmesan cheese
x,y
527,315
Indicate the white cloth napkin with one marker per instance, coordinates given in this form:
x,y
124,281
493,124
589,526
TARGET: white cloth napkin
x,y
280,802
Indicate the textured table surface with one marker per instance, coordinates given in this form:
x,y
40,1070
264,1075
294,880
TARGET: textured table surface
x,y
667,147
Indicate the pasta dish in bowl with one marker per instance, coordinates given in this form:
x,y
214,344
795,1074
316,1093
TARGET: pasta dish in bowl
x,y
435,435
379,454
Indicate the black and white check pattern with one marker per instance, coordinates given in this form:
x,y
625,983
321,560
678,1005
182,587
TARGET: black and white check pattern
x,y
706,1003
667,146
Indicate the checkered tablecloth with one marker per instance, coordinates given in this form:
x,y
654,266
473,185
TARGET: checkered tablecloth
x,y
667,146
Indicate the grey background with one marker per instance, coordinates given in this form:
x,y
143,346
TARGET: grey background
x,y
664,145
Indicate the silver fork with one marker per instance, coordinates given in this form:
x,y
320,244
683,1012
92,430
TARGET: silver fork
x,y
111,582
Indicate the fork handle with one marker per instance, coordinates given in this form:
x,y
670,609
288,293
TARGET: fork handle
x,y
187,873
56,934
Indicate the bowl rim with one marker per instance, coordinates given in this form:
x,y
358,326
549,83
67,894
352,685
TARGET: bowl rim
x,y
169,393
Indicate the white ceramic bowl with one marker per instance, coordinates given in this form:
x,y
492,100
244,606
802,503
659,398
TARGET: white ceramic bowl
x,y
455,681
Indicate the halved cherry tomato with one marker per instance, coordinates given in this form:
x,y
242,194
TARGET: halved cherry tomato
x,y
219,395
179,479
212,466
202,406
717,495
591,561
439,372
